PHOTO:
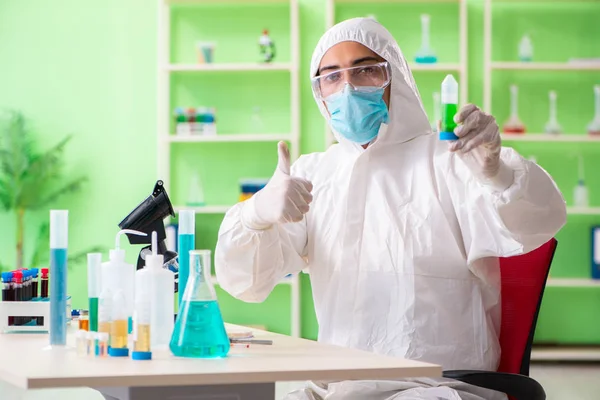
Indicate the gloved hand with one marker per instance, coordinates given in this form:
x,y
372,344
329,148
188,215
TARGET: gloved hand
x,y
479,135
284,199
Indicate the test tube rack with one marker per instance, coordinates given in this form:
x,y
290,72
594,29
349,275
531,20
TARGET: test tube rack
x,y
38,309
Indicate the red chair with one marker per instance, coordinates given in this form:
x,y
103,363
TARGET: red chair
x,y
523,281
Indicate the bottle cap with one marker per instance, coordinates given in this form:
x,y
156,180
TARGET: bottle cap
x,y
141,355
448,136
449,90
59,229
118,352
35,272
18,276
83,312
7,277
154,260
74,313
44,272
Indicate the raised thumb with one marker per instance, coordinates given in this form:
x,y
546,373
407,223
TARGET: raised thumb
x,y
283,159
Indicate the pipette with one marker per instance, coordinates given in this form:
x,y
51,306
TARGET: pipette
x,y
514,124
594,126
425,55
552,126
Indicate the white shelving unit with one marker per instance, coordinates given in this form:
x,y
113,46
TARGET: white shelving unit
x,y
490,66
460,68
543,137
165,139
573,282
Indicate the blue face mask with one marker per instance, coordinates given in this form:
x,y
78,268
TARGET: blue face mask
x,y
357,115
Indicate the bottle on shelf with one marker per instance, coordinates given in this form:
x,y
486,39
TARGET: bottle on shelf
x,y
196,192
514,124
594,127
580,193
552,126
425,55
266,46
525,49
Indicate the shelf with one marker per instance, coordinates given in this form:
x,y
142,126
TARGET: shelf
x,y
543,137
226,1
396,1
548,66
573,282
284,281
238,137
204,209
583,210
566,353
435,67
238,67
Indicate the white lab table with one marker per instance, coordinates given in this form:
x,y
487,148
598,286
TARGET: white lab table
x,y
246,374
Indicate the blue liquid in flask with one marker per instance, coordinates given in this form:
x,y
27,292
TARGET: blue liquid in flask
x,y
199,331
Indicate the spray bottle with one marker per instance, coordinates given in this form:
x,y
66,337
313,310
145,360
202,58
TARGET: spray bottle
x,y
159,283
118,275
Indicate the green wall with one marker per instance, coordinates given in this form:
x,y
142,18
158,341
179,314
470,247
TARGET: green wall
x,y
90,69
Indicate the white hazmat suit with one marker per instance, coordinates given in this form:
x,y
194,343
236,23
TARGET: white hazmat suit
x,y
401,240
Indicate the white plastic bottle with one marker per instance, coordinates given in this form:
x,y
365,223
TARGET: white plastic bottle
x,y
158,283
118,275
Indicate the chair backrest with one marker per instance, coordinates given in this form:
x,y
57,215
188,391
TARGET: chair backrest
x,y
523,281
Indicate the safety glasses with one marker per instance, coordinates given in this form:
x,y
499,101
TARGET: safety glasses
x,y
364,78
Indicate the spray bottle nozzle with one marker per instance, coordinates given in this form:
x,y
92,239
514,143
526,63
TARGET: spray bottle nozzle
x,y
126,231
154,243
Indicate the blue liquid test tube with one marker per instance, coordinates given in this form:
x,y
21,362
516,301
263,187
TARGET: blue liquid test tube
x,y
59,234
186,242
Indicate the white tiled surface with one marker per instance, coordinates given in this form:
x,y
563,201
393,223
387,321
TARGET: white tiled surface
x,y
561,382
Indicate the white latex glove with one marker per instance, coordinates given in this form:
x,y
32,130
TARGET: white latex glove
x,y
479,145
479,133
284,199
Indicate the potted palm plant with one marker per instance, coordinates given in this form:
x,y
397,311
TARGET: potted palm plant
x,y
31,180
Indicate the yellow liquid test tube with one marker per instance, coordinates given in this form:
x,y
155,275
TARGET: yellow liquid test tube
x,y
118,334
119,328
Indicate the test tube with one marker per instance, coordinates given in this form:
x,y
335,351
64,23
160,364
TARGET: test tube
x,y
18,285
94,287
91,344
84,321
187,228
119,327
8,291
44,283
34,282
59,233
449,108
81,345
105,312
141,344
102,344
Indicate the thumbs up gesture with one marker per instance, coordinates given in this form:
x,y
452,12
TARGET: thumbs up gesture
x,y
285,198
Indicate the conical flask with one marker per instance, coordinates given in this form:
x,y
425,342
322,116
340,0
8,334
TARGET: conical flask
x,y
199,330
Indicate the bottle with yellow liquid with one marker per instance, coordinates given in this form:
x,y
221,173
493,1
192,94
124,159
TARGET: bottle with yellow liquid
x,y
142,316
119,327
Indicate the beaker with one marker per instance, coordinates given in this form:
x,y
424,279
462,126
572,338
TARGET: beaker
x,y
199,329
